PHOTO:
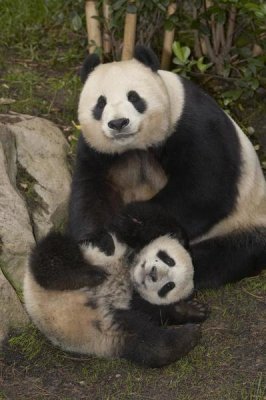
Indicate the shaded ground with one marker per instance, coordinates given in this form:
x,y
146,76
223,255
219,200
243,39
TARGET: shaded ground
x,y
227,365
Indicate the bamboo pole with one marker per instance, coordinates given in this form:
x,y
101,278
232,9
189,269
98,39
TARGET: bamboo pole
x,y
168,39
129,32
107,45
93,26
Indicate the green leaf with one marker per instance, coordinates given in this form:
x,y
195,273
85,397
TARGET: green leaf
x,y
76,22
201,66
186,52
177,50
177,61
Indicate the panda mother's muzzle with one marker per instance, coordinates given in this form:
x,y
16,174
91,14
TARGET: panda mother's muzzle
x,y
118,124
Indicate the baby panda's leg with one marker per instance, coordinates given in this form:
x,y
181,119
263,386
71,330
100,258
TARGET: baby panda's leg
x,y
139,223
57,263
153,346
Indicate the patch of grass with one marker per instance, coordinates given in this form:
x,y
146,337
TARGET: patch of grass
x,y
29,342
257,390
25,183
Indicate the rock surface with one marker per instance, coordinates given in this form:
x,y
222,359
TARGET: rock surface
x,y
34,189
12,313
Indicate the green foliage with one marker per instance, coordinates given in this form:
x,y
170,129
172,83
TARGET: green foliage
x,y
185,62
39,24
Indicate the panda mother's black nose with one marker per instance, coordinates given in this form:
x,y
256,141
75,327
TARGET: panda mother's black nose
x,y
118,124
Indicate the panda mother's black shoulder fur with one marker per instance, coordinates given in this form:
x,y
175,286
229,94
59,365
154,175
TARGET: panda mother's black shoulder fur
x,y
150,136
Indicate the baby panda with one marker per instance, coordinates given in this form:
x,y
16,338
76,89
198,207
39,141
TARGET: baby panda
x,y
107,299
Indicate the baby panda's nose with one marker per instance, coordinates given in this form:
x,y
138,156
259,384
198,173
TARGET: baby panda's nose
x,y
153,274
118,124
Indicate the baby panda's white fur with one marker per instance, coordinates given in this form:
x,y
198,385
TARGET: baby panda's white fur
x,y
87,320
180,272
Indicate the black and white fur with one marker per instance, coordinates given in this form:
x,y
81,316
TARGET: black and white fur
x,y
151,136
112,303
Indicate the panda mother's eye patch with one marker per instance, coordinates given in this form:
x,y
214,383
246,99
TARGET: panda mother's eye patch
x,y
166,288
137,101
99,107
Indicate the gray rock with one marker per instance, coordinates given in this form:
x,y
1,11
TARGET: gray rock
x,y
34,189
42,152
12,313
15,227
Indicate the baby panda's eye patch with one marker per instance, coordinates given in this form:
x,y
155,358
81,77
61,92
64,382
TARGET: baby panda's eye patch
x,y
166,289
166,258
99,107
137,101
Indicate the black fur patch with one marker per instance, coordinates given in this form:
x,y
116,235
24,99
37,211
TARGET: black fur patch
x,y
137,101
166,288
98,109
90,63
147,57
166,258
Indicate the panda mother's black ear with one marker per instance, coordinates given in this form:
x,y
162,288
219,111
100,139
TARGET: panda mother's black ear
x,y
147,57
90,63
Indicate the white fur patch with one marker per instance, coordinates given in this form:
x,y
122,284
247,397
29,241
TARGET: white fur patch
x,y
181,273
176,95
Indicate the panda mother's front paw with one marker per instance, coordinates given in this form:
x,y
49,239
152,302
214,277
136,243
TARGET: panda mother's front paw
x,y
163,273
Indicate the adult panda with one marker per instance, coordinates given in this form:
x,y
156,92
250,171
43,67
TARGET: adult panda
x,y
114,305
151,136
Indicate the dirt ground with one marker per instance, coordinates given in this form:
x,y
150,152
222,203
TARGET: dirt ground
x,y
228,364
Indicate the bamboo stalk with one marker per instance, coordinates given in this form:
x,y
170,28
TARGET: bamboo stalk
x,y
197,46
230,29
168,39
129,32
107,44
93,26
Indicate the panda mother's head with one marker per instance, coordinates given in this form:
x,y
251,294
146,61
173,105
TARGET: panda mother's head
x,y
123,105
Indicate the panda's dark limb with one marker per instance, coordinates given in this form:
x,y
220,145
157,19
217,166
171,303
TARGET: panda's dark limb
x,y
153,346
58,264
93,200
228,259
140,223
184,311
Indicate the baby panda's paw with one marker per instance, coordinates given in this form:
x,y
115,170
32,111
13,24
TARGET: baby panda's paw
x,y
101,239
102,248
191,311
198,311
163,271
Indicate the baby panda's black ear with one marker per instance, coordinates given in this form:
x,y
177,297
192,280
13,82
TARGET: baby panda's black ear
x,y
147,57
90,62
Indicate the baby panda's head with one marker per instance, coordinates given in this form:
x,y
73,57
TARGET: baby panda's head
x,y
163,272
123,105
